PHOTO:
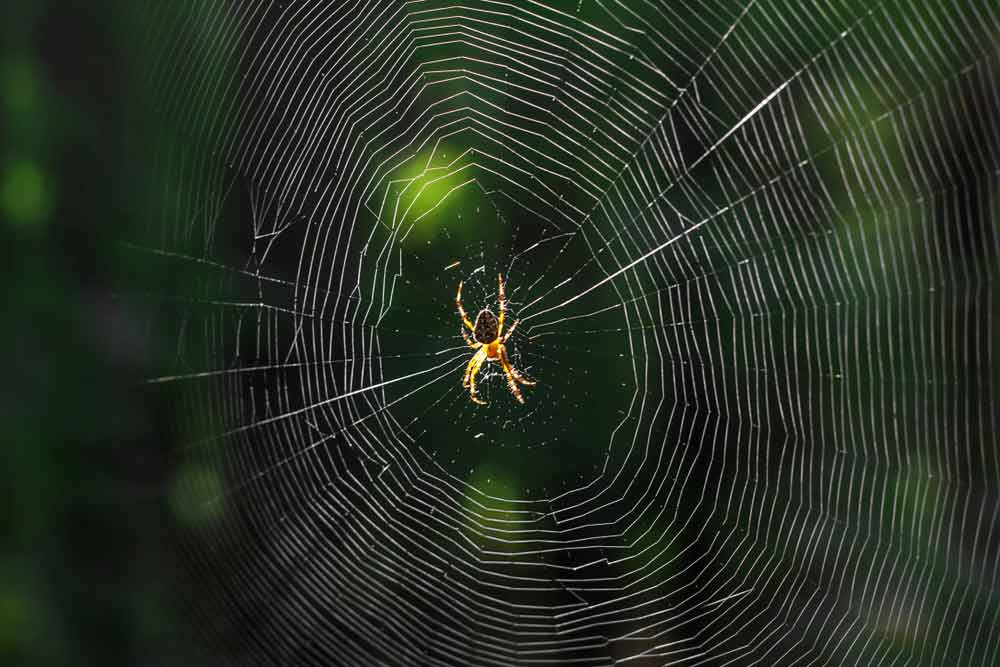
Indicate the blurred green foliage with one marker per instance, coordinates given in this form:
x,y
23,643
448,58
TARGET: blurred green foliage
x,y
84,576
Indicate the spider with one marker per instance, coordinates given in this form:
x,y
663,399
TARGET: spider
x,y
488,340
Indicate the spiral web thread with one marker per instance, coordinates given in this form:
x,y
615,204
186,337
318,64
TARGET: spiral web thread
x,y
769,227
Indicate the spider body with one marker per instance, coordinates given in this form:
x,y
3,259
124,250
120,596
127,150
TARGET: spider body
x,y
488,340
486,329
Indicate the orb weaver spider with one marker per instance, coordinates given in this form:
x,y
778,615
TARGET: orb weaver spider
x,y
488,339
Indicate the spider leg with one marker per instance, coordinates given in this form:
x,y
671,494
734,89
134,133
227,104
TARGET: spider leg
x,y
461,311
472,366
510,332
471,343
509,371
470,374
472,383
516,374
502,298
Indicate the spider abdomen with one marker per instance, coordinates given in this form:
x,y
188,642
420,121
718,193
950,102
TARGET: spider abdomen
x,y
486,329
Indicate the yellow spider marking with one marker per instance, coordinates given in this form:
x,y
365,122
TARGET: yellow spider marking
x,y
489,341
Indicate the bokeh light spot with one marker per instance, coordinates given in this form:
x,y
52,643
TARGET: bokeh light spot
x,y
24,194
13,622
196,496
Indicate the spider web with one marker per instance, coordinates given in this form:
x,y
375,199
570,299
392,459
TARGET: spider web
x,y
752,249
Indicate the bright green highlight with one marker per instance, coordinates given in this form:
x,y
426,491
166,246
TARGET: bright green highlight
x,y
196,496
25,197
14,622
491,480
424,185
489,512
